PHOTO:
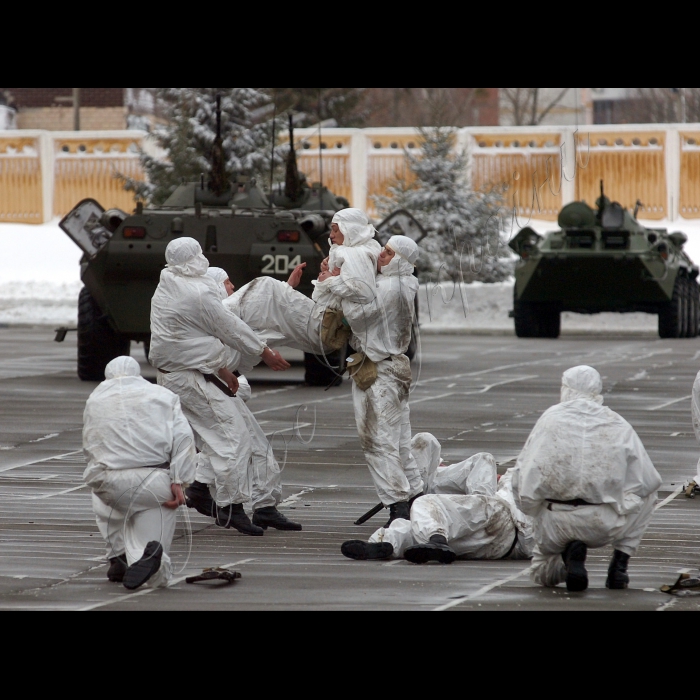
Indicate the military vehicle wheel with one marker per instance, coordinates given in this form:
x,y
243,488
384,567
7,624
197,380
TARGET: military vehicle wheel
x,y
550,323
671,321
98,343
537,321
526,322
685,318
694,297
318,372
693,308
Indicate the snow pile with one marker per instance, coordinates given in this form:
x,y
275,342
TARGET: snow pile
x,y
484,308
39,303
39,275
37,254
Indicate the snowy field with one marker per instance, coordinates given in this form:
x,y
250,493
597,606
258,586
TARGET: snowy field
x,y
39,275
40,283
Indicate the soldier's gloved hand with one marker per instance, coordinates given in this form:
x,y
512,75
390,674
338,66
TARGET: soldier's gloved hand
x,y
230,378
275,361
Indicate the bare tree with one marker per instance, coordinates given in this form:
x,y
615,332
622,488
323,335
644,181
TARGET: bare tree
x,y
425,107
449,106
531,106
661,105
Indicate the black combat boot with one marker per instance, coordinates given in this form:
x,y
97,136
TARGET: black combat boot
x,y
117,570
575,559
618,579
399,511
437,551
362,551
199,498
235,518
271,518
143,571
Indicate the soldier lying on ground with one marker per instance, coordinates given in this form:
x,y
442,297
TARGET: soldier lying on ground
x,y
478,520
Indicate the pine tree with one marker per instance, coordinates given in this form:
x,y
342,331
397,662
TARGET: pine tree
x,y
465,241
188,134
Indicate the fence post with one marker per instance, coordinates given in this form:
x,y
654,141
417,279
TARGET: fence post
x,y
673,172
569,166
47,157
360,171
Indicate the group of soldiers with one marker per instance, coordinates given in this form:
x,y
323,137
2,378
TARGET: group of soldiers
x,y
583,480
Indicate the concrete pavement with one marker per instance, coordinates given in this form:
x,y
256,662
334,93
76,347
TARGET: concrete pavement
x,y
474,393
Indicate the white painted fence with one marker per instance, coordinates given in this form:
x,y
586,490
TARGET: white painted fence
x,y
43,174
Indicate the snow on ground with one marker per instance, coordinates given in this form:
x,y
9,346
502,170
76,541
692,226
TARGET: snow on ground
x,y
40,283
39,275
485,308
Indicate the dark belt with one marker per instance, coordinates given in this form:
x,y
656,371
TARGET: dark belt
x,y
575,504
164,467
213,379
515,544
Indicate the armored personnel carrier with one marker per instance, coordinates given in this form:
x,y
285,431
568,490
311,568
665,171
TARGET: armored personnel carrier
x,y
239,229
604,260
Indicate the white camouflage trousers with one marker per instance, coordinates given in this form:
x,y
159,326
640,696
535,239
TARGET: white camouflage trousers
x,y
128,505
279,314
596,526
233,445
384,424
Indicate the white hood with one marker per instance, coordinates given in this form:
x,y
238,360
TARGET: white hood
x,y
219,276
122,367
582,383
404,262
184,257
355,226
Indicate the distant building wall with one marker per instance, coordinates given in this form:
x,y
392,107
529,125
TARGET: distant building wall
x,y
61,118
51,109
407,107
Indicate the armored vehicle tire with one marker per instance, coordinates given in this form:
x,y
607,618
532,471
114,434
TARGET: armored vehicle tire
x,y
98,343
694,309
671,322
318,372
537,320
685,317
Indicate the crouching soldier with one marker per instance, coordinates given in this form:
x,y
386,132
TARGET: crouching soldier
x,y
141,455
588,482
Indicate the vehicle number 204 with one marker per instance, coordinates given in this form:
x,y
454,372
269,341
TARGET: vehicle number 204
x,y
279,264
